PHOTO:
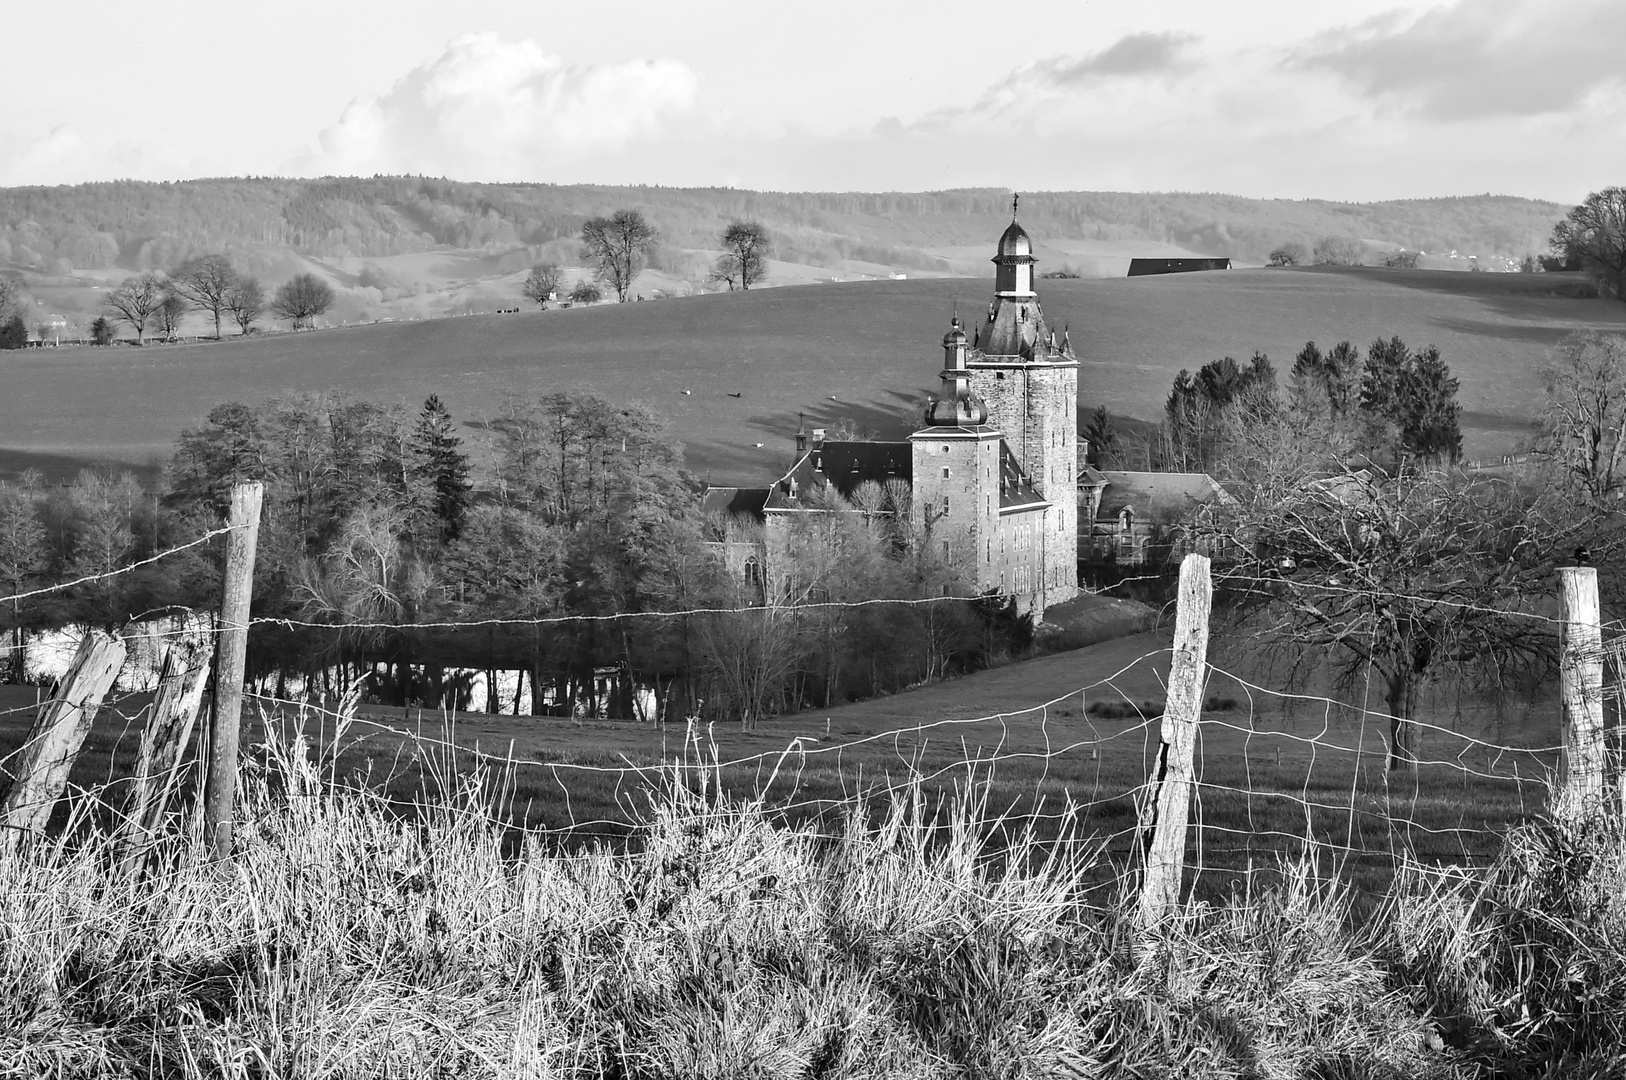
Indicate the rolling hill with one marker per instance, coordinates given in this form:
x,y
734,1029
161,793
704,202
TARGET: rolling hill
x,y
414,247
866,351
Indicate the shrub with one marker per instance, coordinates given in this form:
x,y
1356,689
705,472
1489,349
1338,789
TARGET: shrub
x,y
1291,253
101,331
14,333
1401,260
1337,251
586,292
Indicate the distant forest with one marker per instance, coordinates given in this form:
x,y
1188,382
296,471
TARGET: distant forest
x,y
261,221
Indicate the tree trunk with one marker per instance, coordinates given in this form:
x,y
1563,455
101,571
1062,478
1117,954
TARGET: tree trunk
x,y
1402,701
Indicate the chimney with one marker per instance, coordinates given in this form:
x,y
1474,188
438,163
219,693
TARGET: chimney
x,y
818,437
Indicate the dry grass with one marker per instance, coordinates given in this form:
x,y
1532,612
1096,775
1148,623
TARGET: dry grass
x,y
349,941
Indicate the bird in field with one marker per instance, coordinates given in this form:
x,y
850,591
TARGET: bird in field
x,y
833,397
685,392
731,394
757,445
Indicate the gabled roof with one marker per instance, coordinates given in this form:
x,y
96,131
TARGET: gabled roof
x,y
844,466
1162,498
735,501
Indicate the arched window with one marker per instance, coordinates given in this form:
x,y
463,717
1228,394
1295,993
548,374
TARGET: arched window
x,y
753,571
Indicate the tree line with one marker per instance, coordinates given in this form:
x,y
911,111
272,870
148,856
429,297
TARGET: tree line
x,y
374,531
207,284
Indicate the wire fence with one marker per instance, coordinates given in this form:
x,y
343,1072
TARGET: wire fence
x,y
1278,770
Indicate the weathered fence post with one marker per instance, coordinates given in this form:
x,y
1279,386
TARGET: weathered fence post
x,y
1168,803
174,713
236,592
1580,676
58,731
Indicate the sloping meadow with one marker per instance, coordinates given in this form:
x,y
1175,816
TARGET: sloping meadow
x,y
346,940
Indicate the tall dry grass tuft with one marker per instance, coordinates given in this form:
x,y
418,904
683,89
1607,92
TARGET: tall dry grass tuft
x,y
1525,967
347,941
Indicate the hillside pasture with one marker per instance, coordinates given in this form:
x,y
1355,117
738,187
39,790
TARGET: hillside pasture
x,y
866,351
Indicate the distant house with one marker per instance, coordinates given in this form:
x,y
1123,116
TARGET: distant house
x,y
1141,517
1146,267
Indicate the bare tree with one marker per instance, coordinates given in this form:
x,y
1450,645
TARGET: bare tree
x,y
618,248
1593,236
136,300
1584,417
170,313
745,256
542,283
302,298
1291,253
1403,578
206,281
246,301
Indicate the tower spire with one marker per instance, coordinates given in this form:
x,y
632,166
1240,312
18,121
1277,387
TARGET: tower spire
x,y
1015,198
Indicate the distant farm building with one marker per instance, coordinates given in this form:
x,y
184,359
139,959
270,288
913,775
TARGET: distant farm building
x,y
1148,267
1140,517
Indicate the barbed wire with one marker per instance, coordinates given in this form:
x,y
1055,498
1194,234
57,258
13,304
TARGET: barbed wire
x,y
138,564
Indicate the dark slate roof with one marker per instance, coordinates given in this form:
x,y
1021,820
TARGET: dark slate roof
x,y
1014,242
1159,497
843,465
1010,331
1090,476
735,501
1145,267
1015,489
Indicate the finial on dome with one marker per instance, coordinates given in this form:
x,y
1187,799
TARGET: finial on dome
x,y
1015,198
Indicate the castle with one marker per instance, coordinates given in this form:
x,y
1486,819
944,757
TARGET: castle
x,y
993,471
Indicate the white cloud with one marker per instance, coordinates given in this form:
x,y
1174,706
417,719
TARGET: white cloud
x,y
1486,58
491,109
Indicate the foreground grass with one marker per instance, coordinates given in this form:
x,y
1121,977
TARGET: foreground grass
x,y
349,940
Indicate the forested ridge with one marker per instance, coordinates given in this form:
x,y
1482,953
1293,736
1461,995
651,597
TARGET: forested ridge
x,y
143,225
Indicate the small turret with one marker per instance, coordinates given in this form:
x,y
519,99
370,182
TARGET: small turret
x,y
957,406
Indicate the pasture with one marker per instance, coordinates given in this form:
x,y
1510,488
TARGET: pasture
x,y
866,351
1071,735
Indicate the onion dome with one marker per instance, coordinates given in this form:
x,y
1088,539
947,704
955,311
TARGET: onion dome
x,y
1014,241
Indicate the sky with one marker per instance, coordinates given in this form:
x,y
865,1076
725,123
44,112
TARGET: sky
x,y
1355,100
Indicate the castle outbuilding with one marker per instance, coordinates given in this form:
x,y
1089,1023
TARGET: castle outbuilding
x,y
992,471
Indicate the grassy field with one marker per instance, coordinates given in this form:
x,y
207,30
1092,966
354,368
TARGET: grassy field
x,y
866,351
1067,737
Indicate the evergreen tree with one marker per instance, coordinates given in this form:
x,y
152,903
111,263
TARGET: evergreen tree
x,y
1409,404
441,466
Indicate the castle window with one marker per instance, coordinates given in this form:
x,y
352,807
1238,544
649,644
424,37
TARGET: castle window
x,y
945,555
1000,376
945,448
945,504
945,472
753,571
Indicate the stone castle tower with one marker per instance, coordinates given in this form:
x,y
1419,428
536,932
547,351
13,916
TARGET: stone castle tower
x,y
957,470
996,466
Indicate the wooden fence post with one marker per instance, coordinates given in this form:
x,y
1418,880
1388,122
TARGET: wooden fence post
x,y
1580,676
236,592
1168,800
174,713
58,731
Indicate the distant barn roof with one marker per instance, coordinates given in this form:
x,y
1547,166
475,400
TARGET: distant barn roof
x,y
1145,267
